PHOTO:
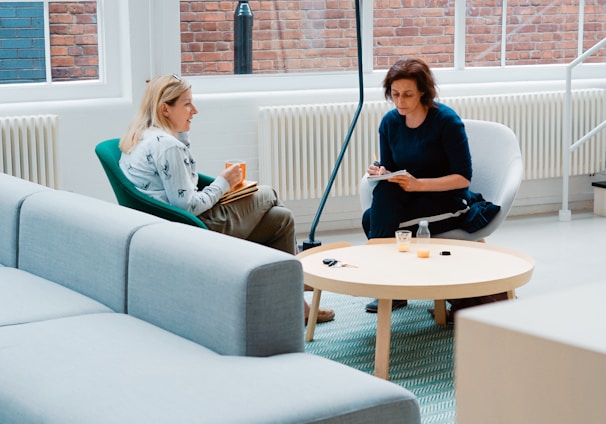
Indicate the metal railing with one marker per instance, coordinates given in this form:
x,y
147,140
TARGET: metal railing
x,y
569,147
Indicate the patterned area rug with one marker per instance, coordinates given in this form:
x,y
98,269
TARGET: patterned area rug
x,y
422,353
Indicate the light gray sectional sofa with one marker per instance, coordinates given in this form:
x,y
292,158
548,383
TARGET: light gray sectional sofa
x,y
108,315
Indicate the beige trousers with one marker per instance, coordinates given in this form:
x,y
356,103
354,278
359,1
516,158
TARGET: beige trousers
x,y
260,218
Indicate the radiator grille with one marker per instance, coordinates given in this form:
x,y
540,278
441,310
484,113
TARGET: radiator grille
x,y
299,144
28,148
536,118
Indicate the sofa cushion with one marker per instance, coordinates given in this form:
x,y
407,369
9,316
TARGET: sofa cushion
x,y
25,298
88,239
14,191
231,295
114,368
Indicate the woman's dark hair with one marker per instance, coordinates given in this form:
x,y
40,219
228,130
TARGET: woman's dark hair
x,y
414,69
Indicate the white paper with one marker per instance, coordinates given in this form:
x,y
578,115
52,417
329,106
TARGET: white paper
x,y
387,176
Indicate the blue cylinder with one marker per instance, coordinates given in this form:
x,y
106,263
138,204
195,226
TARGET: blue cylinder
x,y
243,23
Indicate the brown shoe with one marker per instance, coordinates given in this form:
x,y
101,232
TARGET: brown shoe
x,y
324,315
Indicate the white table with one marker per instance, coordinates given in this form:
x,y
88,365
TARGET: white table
x,y
471,269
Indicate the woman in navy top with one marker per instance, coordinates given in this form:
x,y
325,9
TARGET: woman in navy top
x,y
428,140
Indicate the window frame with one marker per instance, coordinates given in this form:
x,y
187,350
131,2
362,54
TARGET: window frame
x,y
458,74
122,24
111,66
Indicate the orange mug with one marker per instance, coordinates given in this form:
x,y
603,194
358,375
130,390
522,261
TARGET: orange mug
x,y
242,166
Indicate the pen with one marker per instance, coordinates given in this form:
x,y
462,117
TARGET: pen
x,y
376,162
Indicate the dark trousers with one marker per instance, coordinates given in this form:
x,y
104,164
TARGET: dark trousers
x,y
395,209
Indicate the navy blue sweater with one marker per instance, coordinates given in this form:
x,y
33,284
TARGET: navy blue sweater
x,y
438,147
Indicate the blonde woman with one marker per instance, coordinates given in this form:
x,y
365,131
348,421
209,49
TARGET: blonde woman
x,y
157,160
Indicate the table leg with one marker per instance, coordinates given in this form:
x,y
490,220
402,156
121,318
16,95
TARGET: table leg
x,y
383,343
313,315
511,294
439,307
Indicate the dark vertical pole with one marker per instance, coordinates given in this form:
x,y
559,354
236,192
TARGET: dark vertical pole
x,y
312,242
243,22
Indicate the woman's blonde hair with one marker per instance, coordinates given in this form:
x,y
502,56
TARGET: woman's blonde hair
x,y
162,89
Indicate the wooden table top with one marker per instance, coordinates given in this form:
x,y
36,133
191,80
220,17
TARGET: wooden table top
x,y
471,269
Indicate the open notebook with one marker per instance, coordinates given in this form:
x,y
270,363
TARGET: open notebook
x,y
387,176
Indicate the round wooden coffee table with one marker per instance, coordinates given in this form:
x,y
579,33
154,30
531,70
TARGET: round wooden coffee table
x,y
378,270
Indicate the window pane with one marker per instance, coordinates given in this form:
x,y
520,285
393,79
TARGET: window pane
x,y
547,33
483,24
74,53
539,34
594,28
406,28
74,40
22,42
287,36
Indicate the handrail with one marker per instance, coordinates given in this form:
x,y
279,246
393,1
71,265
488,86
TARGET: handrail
x,y
569,147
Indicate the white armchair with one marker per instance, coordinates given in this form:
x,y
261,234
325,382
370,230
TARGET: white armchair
x,y
497,173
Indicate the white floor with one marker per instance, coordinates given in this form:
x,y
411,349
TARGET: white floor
x,y
566,253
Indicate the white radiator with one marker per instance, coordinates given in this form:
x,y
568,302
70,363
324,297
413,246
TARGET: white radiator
x,y
299,144
28,148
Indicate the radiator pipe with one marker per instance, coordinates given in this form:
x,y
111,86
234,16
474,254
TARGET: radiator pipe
x,y
312,242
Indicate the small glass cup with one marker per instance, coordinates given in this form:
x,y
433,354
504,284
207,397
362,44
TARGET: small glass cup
x,y
403,238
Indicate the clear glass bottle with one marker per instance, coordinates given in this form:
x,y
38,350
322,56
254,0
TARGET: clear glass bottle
x,y
423,231
422,241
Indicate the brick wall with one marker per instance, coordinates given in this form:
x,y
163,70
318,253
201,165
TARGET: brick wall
x,y
73,40
289,36
319,35
538,32
21,43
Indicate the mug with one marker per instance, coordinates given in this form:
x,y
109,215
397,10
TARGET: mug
x,y
242,166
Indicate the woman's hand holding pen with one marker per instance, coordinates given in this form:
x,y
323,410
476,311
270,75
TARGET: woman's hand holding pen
x,y
407,182
376,168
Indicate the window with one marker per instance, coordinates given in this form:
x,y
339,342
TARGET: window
x,y
537,33
319,35
413,28
287,36
86,45
48,41
74,47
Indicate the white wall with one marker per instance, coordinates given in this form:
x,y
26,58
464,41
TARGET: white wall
x,y
227,123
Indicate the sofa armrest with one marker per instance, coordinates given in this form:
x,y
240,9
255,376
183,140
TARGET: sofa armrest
x,y
230,295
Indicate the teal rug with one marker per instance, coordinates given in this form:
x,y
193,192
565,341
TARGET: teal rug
x,y
422,353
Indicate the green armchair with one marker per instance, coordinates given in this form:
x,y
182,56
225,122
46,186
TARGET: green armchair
x,y
128,195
